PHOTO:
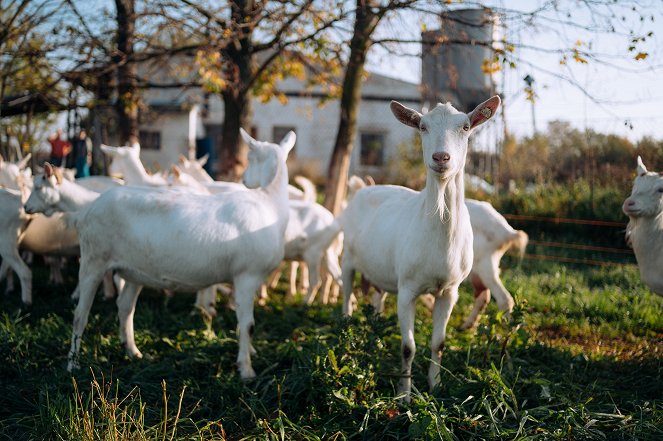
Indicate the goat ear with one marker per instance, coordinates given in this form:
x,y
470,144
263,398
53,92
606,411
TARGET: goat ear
x,y
407,116
288,141
24,162
175,170
182,159
247,138
203,160
641,169
48,170
484,111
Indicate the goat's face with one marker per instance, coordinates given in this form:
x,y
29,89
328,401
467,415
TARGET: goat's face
x,y
444,136
264,159
646,198
445,132
45,193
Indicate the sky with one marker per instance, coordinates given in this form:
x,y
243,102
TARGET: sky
x,y
622,98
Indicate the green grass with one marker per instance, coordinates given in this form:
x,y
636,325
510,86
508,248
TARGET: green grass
x,y
581,358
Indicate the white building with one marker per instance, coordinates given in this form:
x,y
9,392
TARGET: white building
x,y
177,119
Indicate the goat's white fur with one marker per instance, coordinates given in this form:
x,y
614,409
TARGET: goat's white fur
x,y
170,242
416,242
644,232
11,173
126,162
493,236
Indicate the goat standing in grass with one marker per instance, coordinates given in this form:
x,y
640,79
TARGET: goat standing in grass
x,y
187,242
416,242
645,228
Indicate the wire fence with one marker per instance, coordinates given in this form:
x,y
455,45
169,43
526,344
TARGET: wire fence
x,y
564,244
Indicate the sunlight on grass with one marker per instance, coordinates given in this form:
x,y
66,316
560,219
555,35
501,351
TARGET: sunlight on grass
x,y
579,358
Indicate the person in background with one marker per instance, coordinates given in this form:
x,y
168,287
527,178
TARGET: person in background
x,y
60,148
82,154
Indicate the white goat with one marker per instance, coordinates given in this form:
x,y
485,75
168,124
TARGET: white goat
x,y
195,169
126,162
493,236
415,242
644,232
37,234
169,242
10,173
309,236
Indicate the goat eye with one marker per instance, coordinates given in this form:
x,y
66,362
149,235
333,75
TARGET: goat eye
x,y
660,190
423,128
466,127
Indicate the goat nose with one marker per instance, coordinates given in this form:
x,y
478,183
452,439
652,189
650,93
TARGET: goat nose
x,y
441,157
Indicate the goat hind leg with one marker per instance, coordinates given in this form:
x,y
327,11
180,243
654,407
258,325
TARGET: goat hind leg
x,y
481,300
14,261
126,306
246,287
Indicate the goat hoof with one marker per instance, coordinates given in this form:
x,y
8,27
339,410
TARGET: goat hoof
x,y
247,374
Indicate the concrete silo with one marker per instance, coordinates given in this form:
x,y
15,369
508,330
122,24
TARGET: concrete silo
x,y
453,56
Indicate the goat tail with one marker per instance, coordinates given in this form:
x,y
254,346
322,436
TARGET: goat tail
x,y
355,183
310,192
518,242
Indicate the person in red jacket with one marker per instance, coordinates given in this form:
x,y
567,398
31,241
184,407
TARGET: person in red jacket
x,y
60,148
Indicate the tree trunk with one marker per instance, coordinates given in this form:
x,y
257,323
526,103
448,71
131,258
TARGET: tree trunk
x,y
236,114
238,71
339,165
127,82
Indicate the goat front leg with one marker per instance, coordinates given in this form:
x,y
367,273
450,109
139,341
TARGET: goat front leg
x,y
126,306
246,287
444,304
89,277
406,308
348,274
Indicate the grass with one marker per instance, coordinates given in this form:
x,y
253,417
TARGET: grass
x,y
580,358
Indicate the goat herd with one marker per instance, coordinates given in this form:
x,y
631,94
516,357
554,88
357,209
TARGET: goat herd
x,y
191,233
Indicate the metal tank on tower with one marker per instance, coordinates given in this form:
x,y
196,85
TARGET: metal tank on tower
x,y
453,58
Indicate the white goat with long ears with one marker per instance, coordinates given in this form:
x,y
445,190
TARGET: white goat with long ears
x,y
644,232
416,242
167,241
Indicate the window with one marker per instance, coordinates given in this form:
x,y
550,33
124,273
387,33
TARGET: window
x,y
372,149
278,132
150,139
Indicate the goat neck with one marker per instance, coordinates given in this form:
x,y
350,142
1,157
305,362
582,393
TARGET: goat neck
x,y
445,198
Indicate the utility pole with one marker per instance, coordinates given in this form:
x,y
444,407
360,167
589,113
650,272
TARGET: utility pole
x,y
531,97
